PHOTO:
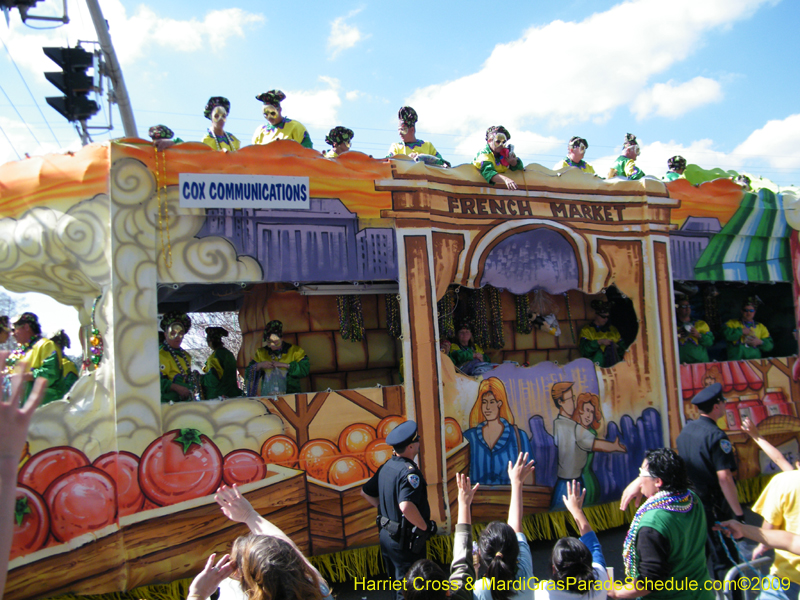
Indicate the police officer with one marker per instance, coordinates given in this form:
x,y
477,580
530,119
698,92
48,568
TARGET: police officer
x,y
400,494
710,463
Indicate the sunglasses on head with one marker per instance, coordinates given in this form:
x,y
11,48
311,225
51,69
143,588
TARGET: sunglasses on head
x,y
752,310
580,145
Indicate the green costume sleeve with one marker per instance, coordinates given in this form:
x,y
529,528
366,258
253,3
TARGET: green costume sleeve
x,y
487,171
306,143
461,357
211,384
69,381
590,349
299,369
50,370
732,333
707,339
517,167
768,344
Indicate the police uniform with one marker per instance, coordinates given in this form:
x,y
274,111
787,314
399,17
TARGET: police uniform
x,y
399,480
706,449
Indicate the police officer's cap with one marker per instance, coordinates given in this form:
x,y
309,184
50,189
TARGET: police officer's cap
x,y
712,392
403,434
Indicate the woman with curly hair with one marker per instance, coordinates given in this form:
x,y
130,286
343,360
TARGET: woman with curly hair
x,y
588,415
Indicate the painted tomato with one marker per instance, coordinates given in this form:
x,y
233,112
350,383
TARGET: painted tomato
x,y
124,470
31,522
280,450
81,501
44,467
377,453
355,438
316,457
180,465
346,470
452,433
387,424
243,466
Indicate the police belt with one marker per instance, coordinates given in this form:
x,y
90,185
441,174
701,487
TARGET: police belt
x,y
393,527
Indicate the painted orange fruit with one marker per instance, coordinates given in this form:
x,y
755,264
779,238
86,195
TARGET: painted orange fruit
x,y
280,450
316,457
387,424
346,470
355,438
377,453
452,433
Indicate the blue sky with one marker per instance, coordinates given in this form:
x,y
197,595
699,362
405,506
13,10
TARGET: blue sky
x,y
713,80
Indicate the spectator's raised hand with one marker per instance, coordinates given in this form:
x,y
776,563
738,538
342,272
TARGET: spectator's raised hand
x,y
520,470
208,580
234,505
466,492
575,497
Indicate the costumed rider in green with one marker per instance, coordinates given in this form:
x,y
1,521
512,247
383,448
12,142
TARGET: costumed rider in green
x,y
35,357
600,341
498,157
676,166
162,137
68,369
409,145
625,165
576,149
217,110
340,139
219,378
694,337
277,366
178,382
279,127
465,353
746,337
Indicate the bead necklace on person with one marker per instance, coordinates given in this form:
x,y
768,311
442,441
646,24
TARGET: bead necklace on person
x,y
179,352
22,350
682,503
227,139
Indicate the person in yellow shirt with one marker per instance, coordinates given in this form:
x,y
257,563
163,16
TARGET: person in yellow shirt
x,y
409,145
35,357
576,149
625,165
277,366
279,127
496,158
340,138
177,383
217,110
68,369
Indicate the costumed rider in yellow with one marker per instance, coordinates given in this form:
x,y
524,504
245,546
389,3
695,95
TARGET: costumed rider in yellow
x,y
277,366
178,382
576,149
217,109
409,145
68,369
694,337
625,165
497,158
746,337
340,139
676,166
219,379
600,341
35,357
279,127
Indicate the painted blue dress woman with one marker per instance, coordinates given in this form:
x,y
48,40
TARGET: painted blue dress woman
x,y
493,438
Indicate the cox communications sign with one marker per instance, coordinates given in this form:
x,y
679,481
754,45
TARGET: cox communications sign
x,y
200,190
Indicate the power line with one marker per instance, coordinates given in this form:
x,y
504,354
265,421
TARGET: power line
x,y
25,83
24,122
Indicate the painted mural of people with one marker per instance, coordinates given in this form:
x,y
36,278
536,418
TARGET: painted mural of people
x,y
573,441
588,415
493,438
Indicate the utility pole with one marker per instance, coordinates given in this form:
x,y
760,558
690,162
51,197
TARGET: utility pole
x,y
114,71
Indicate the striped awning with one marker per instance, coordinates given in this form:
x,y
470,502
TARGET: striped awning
x,y
738,376
752,246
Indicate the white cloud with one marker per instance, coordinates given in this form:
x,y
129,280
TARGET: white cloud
x,y
617,52
317,108
777,144
353,95
344,35
670,100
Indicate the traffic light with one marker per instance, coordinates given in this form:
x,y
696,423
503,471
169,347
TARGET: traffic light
x,y
73,81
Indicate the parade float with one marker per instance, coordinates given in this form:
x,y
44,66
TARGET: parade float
x,y
369,264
